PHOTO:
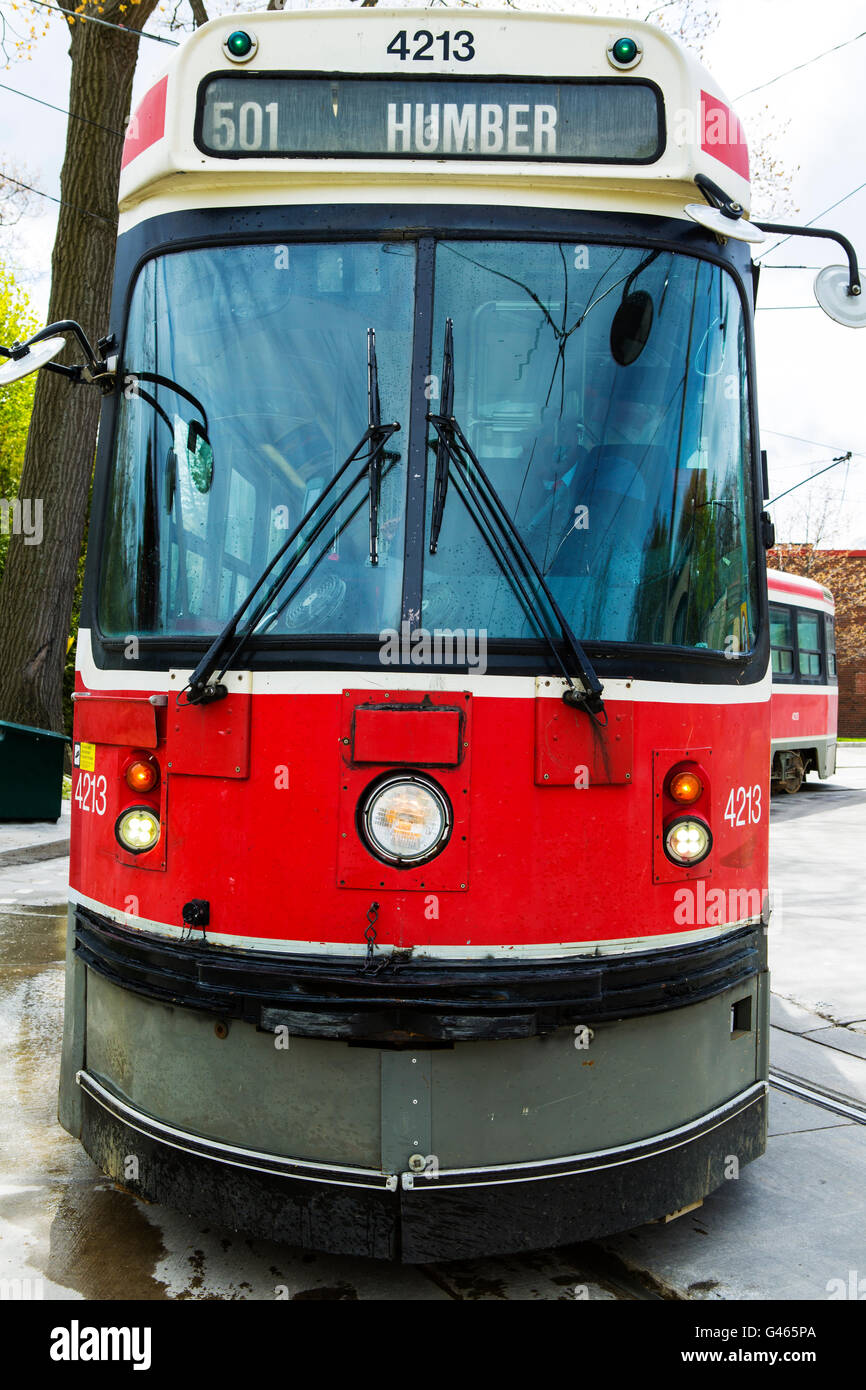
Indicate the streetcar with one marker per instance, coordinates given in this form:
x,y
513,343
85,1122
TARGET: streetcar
x,y
418,887
805,699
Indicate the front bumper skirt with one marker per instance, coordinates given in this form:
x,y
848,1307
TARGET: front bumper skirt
x,y
454,1214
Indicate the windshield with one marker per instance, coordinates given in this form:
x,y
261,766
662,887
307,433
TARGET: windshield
x,y
603,390
263,351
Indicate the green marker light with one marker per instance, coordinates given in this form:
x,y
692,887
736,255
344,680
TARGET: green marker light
x,y
239,44
624,51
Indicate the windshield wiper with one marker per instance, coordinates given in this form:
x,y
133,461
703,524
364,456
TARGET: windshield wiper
x,y
446,412
200,689
454,449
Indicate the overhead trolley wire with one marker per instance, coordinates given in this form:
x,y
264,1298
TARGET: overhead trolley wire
x,y
811,221
92,19
62,201
818,443
65,111
800,66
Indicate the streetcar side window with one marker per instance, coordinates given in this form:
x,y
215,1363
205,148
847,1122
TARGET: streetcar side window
x,y
830,641
809,644
782,641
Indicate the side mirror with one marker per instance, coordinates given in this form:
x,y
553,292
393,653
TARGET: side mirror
x,y
833,293
39,351
24,360
837,289
631,327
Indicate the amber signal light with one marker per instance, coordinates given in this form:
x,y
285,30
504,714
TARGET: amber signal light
x,y
142,775
685,787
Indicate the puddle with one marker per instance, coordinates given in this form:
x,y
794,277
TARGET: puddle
x,y
35,936
102,1245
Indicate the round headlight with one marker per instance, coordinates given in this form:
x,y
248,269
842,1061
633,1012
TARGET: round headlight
x,y
688,841
137,829
405,820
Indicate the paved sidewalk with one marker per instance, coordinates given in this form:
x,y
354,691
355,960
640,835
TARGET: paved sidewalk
x,y
27,842
817,844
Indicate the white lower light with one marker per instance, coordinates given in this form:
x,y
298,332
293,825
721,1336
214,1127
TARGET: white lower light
x,y
688,841
406,820
137,829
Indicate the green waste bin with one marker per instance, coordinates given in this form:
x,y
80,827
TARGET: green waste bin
x,y
31,772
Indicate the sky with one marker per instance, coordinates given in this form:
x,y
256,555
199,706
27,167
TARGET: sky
x,y
811,371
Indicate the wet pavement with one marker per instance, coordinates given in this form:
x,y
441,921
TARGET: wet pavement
x,y
792,1224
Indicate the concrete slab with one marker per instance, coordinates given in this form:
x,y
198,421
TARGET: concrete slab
x,y
42,884
792,1223
842,1039
816,938
787,1116
792,1018
827,1067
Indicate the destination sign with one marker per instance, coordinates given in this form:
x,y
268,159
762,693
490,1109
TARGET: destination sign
x,y
251,115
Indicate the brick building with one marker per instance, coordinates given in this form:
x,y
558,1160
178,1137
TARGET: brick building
x,y
844,574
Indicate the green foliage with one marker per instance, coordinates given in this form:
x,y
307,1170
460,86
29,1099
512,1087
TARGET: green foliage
x,y
16,401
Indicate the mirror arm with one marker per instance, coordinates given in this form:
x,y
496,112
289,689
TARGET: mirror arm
x,y
718,198
75,374
64,326
853,268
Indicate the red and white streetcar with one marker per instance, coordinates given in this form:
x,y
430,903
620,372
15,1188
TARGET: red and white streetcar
x,y
805,698
419,859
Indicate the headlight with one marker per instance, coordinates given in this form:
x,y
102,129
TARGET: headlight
x,y
688,841
137,829
405,820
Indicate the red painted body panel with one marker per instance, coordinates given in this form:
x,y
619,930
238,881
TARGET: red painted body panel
x,y
722,136
147,124
130,721
798,712
425,738
546,865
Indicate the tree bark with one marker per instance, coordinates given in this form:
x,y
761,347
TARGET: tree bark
x,y
38,583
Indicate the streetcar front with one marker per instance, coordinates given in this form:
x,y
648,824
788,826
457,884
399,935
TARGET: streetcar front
x,y
418,890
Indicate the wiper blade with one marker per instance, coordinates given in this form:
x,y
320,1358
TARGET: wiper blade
x,y
458,452
200,689
446,411
374,421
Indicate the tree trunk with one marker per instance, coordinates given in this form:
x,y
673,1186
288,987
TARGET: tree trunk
x,y
38,582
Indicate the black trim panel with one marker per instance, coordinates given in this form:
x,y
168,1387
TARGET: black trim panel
x,y
528,1210
410,1002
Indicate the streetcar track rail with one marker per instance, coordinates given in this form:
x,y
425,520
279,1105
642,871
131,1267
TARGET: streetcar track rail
x,y
809,1091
